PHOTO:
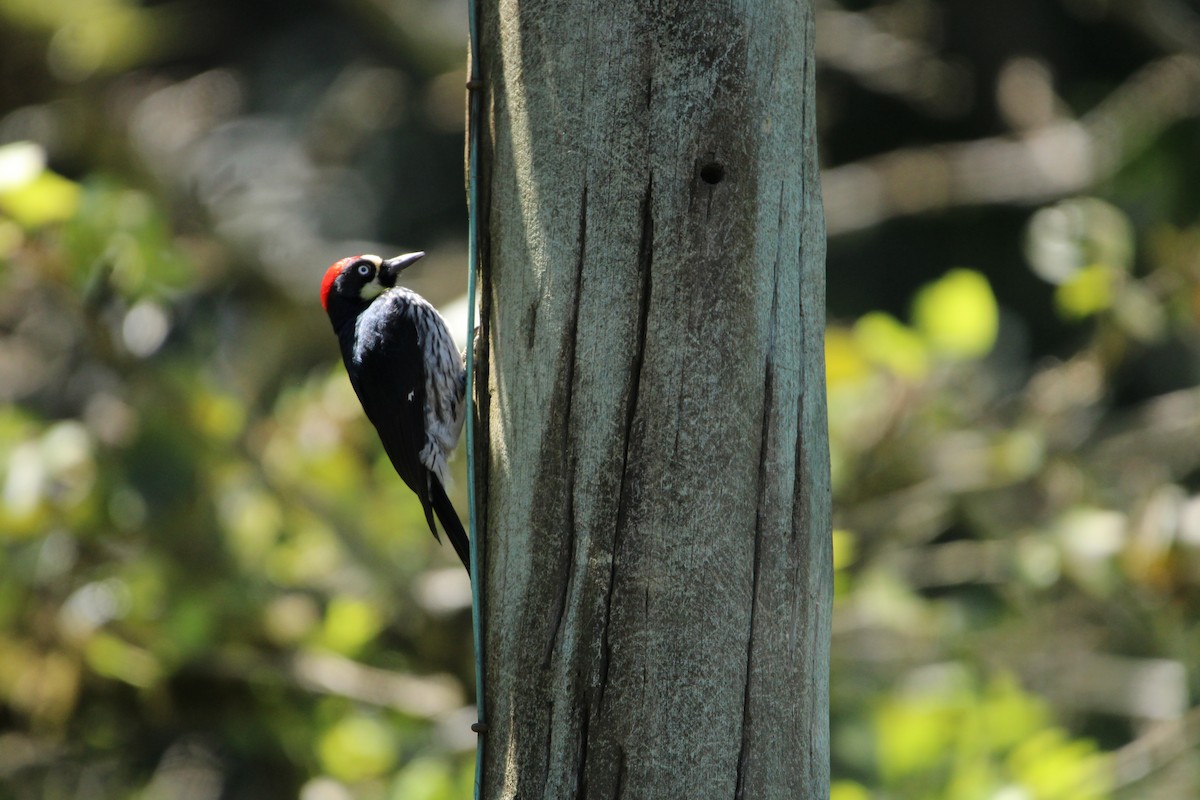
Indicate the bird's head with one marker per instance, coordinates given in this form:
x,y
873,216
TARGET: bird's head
x,y
355,281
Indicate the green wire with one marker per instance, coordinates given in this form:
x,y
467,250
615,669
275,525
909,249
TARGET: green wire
x,y
472,268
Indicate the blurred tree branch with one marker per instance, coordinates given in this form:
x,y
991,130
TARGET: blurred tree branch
x,y
1157,747
1059,159
420,696
888,62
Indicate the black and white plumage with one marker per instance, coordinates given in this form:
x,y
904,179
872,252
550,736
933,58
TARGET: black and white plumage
x,y
407,374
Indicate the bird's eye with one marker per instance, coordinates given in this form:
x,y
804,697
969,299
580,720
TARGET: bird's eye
x,y
364,270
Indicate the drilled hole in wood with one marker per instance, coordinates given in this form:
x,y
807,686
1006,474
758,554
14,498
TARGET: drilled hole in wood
x,y
712,173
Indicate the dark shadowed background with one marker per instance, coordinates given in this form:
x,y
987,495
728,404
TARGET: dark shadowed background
x,y
212,584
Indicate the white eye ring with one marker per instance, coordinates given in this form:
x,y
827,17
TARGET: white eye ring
x,y
364,270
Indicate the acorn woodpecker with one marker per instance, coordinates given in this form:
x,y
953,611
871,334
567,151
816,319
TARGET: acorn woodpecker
x,y
407,373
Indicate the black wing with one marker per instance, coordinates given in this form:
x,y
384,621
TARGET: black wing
x,y
387,372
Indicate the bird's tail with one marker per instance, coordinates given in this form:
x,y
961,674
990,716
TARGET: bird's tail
x,y
450,522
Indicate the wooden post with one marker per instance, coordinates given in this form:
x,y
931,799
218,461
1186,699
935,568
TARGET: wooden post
x,y
657,562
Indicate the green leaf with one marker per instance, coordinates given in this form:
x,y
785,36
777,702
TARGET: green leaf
x,y
1008,714
357,748
424,779
848,790
958,315
844,361
887,341
114,658
1088,291
1055,767
45,199
914,735
845,549
349,624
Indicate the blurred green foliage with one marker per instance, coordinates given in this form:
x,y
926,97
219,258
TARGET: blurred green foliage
x,y
171,550
213,585
994,528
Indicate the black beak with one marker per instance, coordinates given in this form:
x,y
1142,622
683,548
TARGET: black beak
x,y
390,269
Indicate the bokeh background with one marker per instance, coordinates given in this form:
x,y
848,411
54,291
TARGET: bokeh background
x,y
213,586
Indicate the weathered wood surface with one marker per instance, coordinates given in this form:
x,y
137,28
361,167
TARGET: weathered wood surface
x,y
656,540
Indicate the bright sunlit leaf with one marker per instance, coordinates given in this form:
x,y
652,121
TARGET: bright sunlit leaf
x,y
844,554
1055,767
1088,291
957,314
357,748
349,624
45,199
848,790
1010,714
424,779
116,658
844,548
887,341
31,195
844,363
914,735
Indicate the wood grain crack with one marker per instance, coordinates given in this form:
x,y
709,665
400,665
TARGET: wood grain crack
x,y
571,343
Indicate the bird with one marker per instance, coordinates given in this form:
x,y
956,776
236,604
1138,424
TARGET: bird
x,y
407,373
